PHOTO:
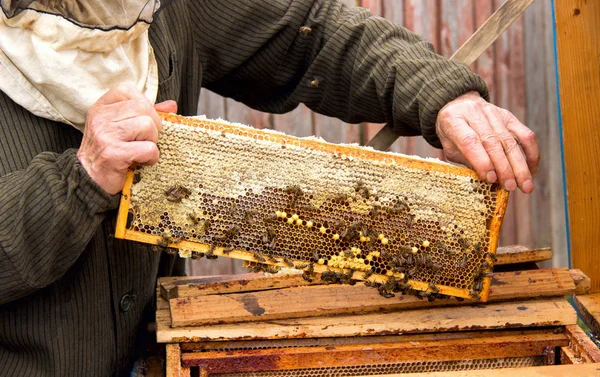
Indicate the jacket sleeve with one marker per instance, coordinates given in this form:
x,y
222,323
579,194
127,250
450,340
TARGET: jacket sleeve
x,y
339,61
48,214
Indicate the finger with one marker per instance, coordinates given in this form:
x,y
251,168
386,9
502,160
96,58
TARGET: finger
x,y
528,142
512,151
169,106
493,147
130,109
139,152
469,145
140,128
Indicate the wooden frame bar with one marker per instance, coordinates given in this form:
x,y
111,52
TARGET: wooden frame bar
x,y
375,353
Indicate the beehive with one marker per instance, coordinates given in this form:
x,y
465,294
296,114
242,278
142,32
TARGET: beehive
x,y
345,211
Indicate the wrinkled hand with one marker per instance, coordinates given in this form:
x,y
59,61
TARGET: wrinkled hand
x,y
121,129
478,134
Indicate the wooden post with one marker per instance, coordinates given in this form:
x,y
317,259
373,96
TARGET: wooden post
x,y
578,45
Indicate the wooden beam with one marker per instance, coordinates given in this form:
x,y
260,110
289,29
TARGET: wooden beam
x,y
582,282
578,46
589,309
520,254
190,286
174,367
520,314
581,344
321,300
279,359
588,370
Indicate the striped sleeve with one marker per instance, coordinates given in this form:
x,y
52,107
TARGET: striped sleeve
x,y
341,62
48,214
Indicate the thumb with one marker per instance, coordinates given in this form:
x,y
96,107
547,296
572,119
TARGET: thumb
x,y
169,106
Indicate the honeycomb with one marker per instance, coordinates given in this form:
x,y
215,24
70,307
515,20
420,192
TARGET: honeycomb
x,y
401,367
351,213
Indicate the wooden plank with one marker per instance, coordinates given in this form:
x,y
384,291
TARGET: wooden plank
x,y
589,309
360,340
588,370
581,344
502,18
578,44
174,367
322,300
520,314
280,359
191,286
521,254
582,282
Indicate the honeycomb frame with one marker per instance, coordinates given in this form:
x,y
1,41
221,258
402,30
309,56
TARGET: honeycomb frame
x,y
373,198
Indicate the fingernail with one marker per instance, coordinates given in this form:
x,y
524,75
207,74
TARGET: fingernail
x,y
491,176
510,185
527,186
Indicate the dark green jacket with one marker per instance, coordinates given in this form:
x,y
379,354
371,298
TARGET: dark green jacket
x,y
72,297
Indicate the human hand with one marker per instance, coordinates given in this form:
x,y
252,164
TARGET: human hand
x,y
489,139
121,129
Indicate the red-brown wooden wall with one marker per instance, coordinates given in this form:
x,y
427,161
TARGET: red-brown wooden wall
x,y
520,72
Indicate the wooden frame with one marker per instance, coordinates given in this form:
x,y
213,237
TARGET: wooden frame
x,y
495,223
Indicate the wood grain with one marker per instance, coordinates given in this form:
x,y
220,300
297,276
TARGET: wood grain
x,y
322,300
373,354
174,367
519,314
589,309
581,344
521,254
578,44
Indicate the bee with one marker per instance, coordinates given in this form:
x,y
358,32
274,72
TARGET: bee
x,y
210,251
272,244
463,264
301,266
137,177
162,242
362,190
315,255
171,251
410,220
463,242
308,274
249,216
368,274
478,286
296,193
376,210
233,231
197,255
433,288
193,218
475,295
228,250
259,257
493,257
309,207
265,239
477,248
485,264
176,193
341,198
459,299
402,206
288,262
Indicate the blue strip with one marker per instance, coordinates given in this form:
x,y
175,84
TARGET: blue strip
x,y
562,144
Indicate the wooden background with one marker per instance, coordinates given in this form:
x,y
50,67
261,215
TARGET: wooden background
x,y
520,72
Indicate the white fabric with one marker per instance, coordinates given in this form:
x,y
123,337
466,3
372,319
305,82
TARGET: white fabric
x,y
57,70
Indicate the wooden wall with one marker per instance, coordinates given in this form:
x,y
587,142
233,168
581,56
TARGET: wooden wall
x,y
520,72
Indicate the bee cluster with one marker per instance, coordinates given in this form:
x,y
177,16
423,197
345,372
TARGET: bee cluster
x,y
291,202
